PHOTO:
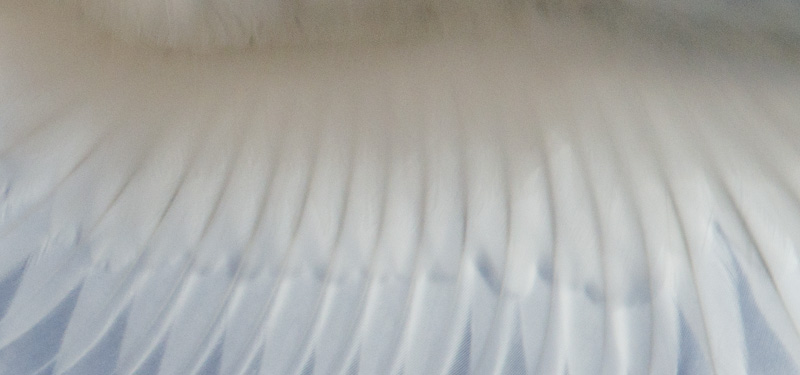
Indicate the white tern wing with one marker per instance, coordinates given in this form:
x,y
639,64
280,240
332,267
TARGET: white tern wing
x,y
609,189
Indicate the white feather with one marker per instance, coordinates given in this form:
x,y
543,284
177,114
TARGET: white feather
x,y
481,187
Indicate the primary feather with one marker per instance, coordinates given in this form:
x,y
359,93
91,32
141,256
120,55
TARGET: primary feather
x,y
572,188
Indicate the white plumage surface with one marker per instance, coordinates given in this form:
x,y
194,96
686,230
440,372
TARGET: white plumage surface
x,y
572,189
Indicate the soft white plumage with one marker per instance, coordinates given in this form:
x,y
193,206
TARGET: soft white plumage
x,y
514,188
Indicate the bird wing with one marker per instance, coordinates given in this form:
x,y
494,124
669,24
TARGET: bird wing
x,y
603,192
